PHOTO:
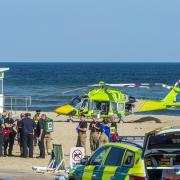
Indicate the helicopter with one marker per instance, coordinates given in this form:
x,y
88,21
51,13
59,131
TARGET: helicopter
x,y
105,100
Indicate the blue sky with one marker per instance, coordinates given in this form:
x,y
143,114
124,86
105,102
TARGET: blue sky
x,y
90,30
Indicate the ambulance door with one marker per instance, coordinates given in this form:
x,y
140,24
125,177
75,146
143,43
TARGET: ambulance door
x,y
94,169
112,164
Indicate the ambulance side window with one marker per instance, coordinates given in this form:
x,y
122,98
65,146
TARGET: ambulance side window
x,y
115,157
129,159
98,156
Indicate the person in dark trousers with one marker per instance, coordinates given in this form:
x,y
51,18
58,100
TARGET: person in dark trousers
x,y
10,126
36,119
41,129
20,133
28,127
1,133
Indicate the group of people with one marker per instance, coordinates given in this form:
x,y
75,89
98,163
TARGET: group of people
x,y
100,133
28,130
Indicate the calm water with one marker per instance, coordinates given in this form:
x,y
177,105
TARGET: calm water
x,y
46,82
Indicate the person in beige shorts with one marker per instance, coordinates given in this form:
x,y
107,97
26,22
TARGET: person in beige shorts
x,y
94,133
81,129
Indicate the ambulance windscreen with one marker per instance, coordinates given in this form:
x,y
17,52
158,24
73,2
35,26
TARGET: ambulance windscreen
x,y
164,141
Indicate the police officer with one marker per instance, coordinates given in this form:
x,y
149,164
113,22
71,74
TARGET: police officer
x,y
28,127
94,133
41,129
1,133
20,133
36,119
81,129
10,126
47,137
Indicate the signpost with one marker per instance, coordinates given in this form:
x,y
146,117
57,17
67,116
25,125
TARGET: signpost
x,y
76,154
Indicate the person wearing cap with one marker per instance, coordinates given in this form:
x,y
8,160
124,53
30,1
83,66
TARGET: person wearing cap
x,y
94,133
36,119
28,126
10,128
81,130
1,133
41,131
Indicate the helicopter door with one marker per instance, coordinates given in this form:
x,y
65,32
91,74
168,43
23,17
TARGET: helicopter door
x,y
102,107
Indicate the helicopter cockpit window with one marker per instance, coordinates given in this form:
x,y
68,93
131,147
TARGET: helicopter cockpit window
x,y
102,107
76,101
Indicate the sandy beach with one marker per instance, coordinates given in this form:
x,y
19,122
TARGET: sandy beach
x,y
65,134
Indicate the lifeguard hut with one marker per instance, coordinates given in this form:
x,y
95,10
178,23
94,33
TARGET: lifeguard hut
x,y
2,70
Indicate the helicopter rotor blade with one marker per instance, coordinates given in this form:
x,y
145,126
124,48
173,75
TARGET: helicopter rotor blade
x,y
72,90
140,85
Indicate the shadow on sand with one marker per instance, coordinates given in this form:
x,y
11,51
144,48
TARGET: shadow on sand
x,y
146,119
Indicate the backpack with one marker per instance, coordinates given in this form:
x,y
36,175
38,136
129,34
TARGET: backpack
x,y
49,125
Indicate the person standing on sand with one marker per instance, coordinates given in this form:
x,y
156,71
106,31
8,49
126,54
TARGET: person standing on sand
x,y
105,132
10,126
94,133
28,127
81,129
20,133
1,133
41,129
36,119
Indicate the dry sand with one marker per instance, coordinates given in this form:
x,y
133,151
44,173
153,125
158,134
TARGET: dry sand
x,y
65,134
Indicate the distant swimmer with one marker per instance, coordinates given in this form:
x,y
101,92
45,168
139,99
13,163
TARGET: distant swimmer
x,y
82,129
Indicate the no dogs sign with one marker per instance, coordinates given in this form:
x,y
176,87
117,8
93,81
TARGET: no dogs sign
x,y
76,154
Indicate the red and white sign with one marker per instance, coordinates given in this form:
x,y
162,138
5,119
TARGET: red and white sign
x,y
76,154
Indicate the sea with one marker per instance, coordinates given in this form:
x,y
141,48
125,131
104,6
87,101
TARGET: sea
x,y
53,84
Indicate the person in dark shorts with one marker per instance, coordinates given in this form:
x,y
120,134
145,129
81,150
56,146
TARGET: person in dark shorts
x,y
10,126
41,129
28,127
81,129
1,133
94,133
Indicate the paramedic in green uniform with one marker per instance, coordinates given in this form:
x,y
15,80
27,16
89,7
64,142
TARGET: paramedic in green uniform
x,y
47,137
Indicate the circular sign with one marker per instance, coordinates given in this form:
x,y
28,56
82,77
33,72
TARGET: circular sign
x,y
77,155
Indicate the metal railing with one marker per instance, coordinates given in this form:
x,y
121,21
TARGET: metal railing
x,y
14,103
